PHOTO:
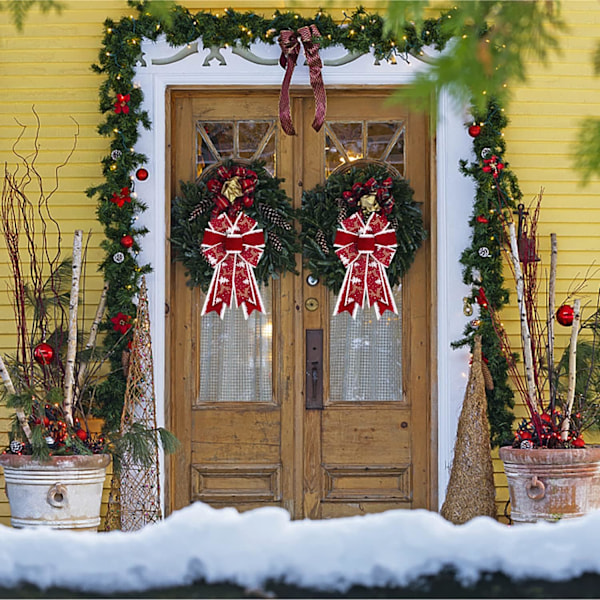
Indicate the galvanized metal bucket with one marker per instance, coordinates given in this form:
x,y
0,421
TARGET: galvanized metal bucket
x,y
62,493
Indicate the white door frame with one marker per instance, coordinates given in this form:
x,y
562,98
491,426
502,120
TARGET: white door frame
x,y
163,66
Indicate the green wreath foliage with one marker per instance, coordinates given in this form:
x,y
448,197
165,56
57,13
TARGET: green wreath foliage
x,y
272,209
324,207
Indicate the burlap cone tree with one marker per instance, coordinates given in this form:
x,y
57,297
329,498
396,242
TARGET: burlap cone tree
x,y
471,491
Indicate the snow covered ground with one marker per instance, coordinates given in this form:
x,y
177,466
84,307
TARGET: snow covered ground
x,y
389,549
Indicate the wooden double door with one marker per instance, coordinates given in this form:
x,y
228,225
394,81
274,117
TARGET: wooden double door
x,y
241,394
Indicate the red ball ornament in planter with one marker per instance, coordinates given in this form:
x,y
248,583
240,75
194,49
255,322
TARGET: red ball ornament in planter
x,y
565,315
127,241
474,130
43,353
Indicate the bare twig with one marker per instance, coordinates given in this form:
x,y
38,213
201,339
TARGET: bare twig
x,y
550,316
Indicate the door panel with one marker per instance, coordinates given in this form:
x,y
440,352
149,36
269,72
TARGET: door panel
x,y
367,447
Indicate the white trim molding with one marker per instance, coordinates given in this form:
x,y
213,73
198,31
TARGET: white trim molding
x,y
162,66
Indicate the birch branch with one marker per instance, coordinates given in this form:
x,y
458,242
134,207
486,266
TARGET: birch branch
x,y
72,338
91,341
525,333
11,390
566,424
551,311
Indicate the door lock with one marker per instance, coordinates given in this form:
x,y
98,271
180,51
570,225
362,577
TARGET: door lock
x,y
311,304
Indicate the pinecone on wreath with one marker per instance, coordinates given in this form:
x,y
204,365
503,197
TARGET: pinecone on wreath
x,y
275,242
201,207
273,216
322,241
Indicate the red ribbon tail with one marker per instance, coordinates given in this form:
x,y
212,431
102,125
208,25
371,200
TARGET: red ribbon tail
x,y
214,301
351,296
247,294
385,298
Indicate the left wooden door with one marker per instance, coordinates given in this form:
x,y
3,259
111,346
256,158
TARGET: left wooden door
x,y
231,390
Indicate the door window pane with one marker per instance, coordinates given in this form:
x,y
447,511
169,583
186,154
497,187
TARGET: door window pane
x,y
247,140
346,142
365,355
236,363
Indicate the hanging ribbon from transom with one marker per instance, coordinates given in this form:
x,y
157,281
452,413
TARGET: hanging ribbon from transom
x,y
366,250
234,249
290,41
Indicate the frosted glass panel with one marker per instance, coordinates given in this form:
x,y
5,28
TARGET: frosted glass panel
x,y
236,356
365,355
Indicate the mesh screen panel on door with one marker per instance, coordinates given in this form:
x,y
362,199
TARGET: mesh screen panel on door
x,y
365,355
236,353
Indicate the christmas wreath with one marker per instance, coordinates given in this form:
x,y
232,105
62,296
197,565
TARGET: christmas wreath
x,y
368,195
235,222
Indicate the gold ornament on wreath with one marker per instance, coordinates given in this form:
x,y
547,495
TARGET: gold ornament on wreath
x,y
360,232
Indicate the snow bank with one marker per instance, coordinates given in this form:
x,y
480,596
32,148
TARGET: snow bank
x,y
388,549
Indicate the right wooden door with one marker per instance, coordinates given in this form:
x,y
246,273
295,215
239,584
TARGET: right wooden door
x,y
368,447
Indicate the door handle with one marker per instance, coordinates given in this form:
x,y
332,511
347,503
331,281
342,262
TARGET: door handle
x,y
313,387
315,378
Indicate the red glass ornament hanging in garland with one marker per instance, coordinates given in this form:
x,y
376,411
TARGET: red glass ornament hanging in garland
x,y
127,241
141,174
475,130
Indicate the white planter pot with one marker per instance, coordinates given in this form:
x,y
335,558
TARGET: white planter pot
x,y
62,493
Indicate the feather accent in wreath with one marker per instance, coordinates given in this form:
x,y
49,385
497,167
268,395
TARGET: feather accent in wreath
x,y
235,224
364,194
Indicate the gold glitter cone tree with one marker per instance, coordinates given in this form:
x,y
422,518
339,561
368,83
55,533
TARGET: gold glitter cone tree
x,y
471,490
140,485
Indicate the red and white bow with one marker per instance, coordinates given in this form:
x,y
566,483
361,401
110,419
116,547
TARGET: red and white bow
x,y
366,250
234,250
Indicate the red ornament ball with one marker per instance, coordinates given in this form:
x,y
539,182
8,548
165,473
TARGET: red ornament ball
x,y
565,315
142,174
474,130
81,434
43,353
127,241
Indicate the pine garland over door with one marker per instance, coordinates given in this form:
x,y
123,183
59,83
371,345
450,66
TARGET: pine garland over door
x,y
121,103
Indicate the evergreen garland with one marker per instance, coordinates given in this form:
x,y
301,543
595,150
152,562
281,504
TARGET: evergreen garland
x,y
495,193
360,32
271,209
324,207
